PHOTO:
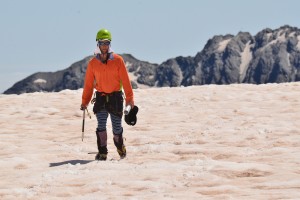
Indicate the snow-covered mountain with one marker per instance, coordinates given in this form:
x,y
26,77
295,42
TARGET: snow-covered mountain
x,y
271,56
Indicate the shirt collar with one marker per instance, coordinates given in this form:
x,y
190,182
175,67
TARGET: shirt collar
x,y
111,56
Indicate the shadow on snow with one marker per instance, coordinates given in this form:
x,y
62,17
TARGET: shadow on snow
x,y
72,162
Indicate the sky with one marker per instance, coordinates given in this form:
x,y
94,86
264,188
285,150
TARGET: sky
x,y
46,36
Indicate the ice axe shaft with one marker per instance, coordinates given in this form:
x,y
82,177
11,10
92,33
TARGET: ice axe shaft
x,y
83,122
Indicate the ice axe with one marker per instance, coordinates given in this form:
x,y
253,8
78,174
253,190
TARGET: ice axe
x,y
83,121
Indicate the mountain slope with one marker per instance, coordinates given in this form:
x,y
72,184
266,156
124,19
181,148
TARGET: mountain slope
x,y
73,77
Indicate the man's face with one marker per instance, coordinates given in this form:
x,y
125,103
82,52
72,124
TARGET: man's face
x,y
104,46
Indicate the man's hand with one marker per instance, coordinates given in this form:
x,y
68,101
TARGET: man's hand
x,y
131,103
83,107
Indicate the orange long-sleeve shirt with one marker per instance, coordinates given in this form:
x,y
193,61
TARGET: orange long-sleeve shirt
x,y
106,78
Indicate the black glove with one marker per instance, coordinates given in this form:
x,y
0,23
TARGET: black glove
x,y
131,119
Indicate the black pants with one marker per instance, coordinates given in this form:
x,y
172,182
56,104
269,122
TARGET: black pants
x,y
111,102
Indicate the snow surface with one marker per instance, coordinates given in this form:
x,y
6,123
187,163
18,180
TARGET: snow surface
x,y
222,45
246,57
199,142
40,81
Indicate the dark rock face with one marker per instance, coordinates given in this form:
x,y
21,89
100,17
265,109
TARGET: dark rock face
x,y
143,71
271,56
70,78
276,56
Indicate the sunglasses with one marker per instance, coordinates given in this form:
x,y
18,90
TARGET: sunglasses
x,y
101,43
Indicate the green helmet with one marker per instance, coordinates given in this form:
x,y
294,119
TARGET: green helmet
x,y
103,34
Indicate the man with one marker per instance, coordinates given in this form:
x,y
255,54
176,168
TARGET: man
x,y
106,72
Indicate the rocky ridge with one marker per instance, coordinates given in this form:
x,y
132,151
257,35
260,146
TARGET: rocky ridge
x,y
271,56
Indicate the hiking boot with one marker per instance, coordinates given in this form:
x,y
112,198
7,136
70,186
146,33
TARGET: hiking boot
x,y
102,145
122,152
118,141
100,156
